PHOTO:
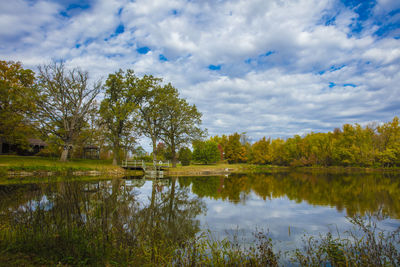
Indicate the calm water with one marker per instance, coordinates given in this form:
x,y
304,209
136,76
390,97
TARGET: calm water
x,y
288,205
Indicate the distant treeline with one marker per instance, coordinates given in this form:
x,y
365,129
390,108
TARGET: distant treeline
x,y
352,145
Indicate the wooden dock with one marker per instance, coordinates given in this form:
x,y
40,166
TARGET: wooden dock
x,y
154,168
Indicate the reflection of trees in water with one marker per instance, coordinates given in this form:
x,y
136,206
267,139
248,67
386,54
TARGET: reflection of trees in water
x,y
356,193
13,196
100,218
234,190
171,213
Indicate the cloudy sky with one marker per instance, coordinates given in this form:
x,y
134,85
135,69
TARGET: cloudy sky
x,y
266,67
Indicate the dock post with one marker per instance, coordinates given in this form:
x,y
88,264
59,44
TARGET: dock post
x,y
143,165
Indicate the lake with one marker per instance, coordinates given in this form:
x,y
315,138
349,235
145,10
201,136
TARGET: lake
x,y
286,205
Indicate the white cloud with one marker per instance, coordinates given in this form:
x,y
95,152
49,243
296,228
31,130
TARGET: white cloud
x,y
22,22
286,66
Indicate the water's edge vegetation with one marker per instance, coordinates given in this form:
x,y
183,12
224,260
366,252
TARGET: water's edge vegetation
x,y
35,242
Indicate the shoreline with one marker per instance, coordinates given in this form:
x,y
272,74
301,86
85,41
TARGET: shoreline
x,y
206,170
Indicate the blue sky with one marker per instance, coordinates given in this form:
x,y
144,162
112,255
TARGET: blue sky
x,y
268,68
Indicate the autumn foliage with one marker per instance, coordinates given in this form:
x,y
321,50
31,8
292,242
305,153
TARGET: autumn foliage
x,y
352,145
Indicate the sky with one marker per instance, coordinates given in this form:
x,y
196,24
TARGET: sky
x,y
271,68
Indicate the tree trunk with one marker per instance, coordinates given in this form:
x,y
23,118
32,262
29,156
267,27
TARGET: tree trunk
x,y
65,152
116,155
154,141
173,154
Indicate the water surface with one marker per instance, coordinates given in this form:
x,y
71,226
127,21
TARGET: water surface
x,y
287,205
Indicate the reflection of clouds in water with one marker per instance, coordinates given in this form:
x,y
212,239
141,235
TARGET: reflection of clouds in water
x,y
144,193
43,203
218,209
286,220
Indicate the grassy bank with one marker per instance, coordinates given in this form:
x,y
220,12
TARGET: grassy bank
x,y
36,165
39,179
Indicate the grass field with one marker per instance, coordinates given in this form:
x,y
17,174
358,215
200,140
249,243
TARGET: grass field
x,y
32,163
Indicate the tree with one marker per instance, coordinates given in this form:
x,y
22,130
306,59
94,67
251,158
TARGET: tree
x,y
185,156
277,152
122,97
234,151
161,151
389,142
260,152
222,142
65,99
150,118
17,102
206,151
181,122
139,152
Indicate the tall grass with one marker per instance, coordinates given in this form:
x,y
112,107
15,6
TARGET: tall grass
x,y
364,245
81,246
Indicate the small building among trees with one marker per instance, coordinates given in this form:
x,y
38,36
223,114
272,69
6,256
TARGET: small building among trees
x,y
34,146
91,152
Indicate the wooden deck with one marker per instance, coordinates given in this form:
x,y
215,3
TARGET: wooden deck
x,y
145,166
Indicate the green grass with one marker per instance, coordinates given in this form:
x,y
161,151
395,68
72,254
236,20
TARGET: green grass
x,y
24,163
34,179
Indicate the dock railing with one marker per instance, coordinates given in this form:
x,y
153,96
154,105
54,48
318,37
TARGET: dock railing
x,y
133,163
143,165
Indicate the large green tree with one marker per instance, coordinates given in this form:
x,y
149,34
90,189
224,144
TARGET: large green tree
x,y
64,103
151,119
122,97
17,102
206,151
181,122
